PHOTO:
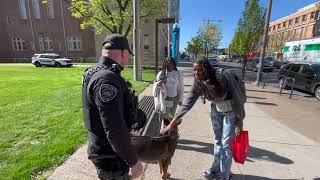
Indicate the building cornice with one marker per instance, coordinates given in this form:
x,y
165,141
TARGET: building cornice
x,y
290,16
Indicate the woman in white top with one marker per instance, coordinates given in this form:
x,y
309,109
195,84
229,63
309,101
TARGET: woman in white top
x,y
172,80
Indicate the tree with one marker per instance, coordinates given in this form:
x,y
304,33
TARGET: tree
x,y
183,55
249,31
113,16
195,46
211,36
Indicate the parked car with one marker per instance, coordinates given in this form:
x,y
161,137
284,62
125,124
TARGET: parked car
x,y
238,60
306,76
50,59
275,63
253,64
214,62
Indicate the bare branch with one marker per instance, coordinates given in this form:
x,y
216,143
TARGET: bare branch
x,y
125,5
119,3
108,12
121,10
128,29
99,20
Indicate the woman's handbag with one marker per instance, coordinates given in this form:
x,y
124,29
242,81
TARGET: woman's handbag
x,y
224,106
240,147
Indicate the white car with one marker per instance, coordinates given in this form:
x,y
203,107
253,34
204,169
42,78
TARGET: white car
x,y
50,59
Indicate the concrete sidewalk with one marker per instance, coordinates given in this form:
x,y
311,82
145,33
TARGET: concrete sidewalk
x,y
276,152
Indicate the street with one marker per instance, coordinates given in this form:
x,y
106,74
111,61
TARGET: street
x,y
301,113
291,112
271,79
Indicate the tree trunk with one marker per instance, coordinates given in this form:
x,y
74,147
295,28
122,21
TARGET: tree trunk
x,y
243,66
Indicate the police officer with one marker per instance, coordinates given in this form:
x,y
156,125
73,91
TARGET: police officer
x,y
104,101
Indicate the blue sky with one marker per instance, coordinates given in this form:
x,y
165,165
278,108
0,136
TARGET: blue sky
x,y
193,12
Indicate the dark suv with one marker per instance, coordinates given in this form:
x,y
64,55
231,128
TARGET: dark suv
x,y
307,77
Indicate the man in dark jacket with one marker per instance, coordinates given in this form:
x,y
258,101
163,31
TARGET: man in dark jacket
x,y
104,98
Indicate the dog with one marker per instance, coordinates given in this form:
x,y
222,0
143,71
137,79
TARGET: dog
x,y
157,149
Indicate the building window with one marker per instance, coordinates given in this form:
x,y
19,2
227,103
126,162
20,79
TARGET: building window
x,y
278,27
18,44
297,20
304,17
146,41
312,15
290,34
74,43
23,9
274,27
146,21
36,9
302,33
45,43
290,22
50,9
60,46
316,14
284,24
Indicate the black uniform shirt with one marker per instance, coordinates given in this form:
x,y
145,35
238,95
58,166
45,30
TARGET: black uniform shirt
x,y
104,114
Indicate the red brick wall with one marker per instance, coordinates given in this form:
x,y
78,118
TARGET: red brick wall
x,y
53,28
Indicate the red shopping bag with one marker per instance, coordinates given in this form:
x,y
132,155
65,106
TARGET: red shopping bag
x,y
240,147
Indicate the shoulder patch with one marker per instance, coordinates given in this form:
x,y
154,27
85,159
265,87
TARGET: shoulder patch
x,y
108,92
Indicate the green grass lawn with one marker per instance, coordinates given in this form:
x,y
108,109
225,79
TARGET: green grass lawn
x,y
41,117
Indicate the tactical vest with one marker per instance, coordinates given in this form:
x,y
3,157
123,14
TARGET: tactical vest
x,y
135,118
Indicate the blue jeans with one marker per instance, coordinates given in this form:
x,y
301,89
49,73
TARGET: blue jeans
x,y
224,131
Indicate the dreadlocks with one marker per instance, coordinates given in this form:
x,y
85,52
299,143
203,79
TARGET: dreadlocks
x,y
209,71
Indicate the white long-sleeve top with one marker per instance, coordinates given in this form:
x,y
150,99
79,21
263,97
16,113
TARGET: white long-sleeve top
x,y
174,84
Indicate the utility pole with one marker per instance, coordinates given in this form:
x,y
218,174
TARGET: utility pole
x,y
169,29
157,21
264,41
64,29
136,41
229,54
34,49
207,43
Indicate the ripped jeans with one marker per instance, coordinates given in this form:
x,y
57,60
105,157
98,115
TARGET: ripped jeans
x,y
224,131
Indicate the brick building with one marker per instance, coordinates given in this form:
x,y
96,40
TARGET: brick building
x,y
29,26
302,24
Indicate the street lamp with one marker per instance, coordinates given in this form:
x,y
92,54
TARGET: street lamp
x,y
264,41
210,31
136,42
163,21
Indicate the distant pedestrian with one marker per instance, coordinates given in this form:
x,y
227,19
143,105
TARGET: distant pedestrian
x,y
227,98
169,82
108,104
